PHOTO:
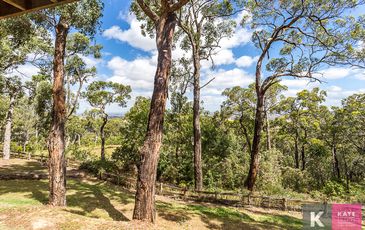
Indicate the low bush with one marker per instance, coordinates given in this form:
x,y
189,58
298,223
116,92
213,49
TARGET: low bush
x,y
98,167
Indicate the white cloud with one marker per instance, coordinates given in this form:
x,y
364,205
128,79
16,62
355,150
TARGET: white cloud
x,y
336,94
334,73
334,88
360,76
220,57
132,36
27,71
223,79
212,103
90,61
224,55
139,73
226,79
240,37
299,83
246,61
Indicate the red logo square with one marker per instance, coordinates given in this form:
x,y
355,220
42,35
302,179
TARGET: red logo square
x,y
346,216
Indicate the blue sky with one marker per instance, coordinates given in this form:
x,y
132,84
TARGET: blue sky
x,y
129,58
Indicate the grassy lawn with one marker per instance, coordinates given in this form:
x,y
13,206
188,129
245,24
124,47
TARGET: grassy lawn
x,y
23,204
93,204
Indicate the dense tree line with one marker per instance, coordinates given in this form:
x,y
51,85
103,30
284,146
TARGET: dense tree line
x,y
259,139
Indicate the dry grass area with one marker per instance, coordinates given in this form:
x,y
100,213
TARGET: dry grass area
x,y
93,204
13,166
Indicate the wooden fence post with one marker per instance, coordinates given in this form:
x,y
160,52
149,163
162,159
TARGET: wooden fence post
x,y
185,193
161,188
284,204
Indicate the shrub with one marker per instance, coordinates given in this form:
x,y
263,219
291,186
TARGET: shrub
x,y
126,157
333,189
270,176
76,153
14,147
294,179
98,167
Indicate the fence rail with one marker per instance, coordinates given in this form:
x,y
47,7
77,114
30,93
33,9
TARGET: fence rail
x,y
225,198
234,199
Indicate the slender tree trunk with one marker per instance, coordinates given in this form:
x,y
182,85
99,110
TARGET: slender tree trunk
x,y
149,154
296,149
245,132
268,135
336,167
303,157
102,135
198,172
303,150
68,91
347,176
79,139
254,162
26,141
8,124
56,139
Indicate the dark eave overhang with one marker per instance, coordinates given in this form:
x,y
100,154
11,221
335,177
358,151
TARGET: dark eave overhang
x,y
11,8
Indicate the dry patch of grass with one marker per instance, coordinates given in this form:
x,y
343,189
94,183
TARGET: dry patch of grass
x,y
13,166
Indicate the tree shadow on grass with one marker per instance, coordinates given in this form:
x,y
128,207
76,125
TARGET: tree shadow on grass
x,y
168,212
280,220
80,195
33,189
91,197
223,218
226,217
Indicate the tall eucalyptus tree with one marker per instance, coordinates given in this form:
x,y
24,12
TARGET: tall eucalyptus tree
x,y
305,33
203,24
82,16
161,19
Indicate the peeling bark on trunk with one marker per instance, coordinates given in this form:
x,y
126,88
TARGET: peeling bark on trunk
x,y
254,162
8,125
56,139
198,172
149,154
102,135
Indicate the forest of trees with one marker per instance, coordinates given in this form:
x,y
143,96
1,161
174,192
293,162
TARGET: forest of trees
x,y
260,139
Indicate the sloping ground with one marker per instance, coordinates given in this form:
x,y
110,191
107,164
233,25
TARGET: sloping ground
x,y
30,170
93,204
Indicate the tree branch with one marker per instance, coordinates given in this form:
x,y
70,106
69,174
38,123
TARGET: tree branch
x,y
207,83
147,10
176,6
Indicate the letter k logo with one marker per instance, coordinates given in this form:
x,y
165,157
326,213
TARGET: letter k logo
x,y
315,219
